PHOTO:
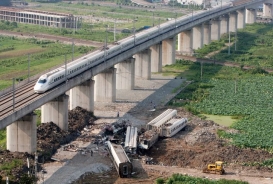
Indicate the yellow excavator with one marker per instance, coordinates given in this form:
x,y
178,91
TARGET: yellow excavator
x,y
216,168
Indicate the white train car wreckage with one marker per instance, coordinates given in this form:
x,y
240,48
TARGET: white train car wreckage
x,y
121,161
164,125
130,144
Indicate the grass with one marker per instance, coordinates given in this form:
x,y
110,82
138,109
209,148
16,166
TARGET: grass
x,y
43,55
221,120
3,138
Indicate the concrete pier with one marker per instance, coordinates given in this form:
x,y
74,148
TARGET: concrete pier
x,y
184,43
105,86
251,15
82,96
196,37
143,64
241,18
22,134
156,57
233,21
168,51
56,111
206,29
215,29
125,74
224,25
267,9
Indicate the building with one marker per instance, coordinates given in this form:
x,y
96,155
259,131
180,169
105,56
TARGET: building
x,y
42,18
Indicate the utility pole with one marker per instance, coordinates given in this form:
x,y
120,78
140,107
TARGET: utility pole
x,y
235,40
134,31
72,49
228,41
36,159
201,70
153,19
65,63
28,67
13,99
115,31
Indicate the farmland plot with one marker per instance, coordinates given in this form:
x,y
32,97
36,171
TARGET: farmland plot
x,y
252,99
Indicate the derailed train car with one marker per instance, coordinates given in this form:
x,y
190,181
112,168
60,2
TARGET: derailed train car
x,y
121,161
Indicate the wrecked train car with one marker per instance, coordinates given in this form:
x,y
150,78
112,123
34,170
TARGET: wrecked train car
x,y
121,161
131,139
173,126
148,139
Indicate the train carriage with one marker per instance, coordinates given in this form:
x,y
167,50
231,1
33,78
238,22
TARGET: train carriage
x,y
131,139
121,161
173,126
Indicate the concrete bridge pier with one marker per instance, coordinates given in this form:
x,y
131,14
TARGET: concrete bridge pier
x,y
82,96
241,18
168,51
215,29
251,15
56,111
22,134
184,43
224,25
206,29
125,74
156,57
105,86
267,9
196,37
143,64
233,21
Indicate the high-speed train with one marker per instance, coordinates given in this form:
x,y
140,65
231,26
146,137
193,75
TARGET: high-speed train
x,y
61,74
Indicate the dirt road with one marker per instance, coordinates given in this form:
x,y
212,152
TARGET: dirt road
x,y
61,39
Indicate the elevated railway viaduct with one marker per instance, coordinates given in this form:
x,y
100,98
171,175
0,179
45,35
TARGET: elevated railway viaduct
x,y
119,71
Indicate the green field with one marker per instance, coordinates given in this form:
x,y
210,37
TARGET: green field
x,y
98,22
43,55
254,47
245,95
185,179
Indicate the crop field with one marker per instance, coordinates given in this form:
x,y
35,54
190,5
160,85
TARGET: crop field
x,y
254,47
98,22
43,55
245,95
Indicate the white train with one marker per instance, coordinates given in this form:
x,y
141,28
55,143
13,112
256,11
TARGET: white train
x,y
164,125
131,139
167,113
172,127
120,159
61,74
148,139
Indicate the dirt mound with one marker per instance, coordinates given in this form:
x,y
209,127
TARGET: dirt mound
x,y
50,137
8,158
199,145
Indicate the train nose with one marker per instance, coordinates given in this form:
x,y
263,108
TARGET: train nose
x,y
38,88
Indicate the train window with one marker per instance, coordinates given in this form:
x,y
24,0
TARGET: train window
x,y
42,81
125,170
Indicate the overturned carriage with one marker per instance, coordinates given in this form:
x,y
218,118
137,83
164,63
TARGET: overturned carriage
x,y
121,161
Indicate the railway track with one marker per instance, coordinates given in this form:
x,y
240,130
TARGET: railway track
x,y
22,96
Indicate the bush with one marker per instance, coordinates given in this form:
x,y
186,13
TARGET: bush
x,y
160,181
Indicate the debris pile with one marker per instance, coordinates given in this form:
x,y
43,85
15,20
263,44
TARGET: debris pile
x,y
50,137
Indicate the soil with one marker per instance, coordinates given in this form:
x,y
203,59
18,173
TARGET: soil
x,y
187,152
